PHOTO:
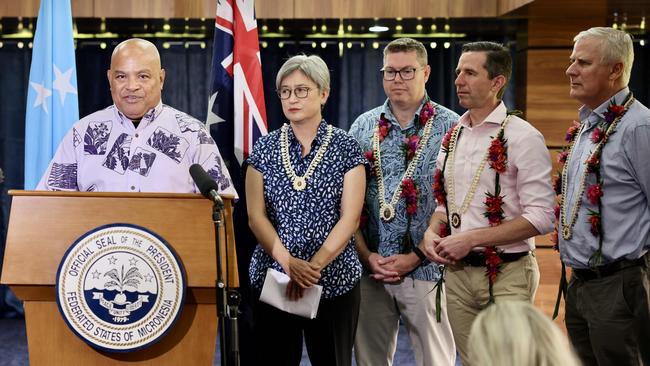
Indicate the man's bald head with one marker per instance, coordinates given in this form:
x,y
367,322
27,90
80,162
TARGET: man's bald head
x,y
137,46
136,77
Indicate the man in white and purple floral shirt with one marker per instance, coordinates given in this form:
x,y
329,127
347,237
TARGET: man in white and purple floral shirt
x,y
138,144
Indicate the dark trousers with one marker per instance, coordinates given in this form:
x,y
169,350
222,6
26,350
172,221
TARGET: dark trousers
x,y
608,318
329,337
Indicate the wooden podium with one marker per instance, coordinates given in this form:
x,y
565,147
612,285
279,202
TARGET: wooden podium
x,y
42,225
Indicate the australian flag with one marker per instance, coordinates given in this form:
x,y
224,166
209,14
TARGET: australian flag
x,y
237,118
236,106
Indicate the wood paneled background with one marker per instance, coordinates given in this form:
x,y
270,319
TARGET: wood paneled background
x,y
277,9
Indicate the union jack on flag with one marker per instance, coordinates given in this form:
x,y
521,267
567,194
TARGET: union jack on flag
x,y
236,106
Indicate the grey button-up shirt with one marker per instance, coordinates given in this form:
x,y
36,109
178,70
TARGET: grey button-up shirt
x,y
625,170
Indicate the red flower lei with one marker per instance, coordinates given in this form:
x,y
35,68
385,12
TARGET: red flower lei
x,y
594,192
409,145
498,161
410,194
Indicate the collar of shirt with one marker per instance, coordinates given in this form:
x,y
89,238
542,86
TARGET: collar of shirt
x,y
592,117
388,113
318,140
146,119
496,116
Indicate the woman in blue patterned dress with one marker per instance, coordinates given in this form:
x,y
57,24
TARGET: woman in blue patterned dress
x,y
305,186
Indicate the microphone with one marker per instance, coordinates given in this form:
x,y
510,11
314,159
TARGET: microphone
x,y
206,184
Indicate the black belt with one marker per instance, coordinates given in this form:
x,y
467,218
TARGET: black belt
x,y
477,259
607,269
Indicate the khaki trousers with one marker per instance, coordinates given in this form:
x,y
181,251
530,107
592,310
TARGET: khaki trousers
x,y
468,293
414,301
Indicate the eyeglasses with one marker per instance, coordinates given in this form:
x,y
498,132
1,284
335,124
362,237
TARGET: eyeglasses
x,y
300,92
407,73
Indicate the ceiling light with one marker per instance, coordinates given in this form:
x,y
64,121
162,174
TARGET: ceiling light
x,y
378,28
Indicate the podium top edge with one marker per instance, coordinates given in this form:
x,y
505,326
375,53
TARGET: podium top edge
x,y
17,192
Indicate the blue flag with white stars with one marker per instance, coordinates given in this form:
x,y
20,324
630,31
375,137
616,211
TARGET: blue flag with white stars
x,y
52,105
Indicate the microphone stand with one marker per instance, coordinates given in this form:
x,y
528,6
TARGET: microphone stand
x,y
228,300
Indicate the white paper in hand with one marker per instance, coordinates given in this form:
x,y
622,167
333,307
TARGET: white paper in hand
x,y
274,294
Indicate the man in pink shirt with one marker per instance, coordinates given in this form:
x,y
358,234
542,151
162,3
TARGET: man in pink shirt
x,y
494,195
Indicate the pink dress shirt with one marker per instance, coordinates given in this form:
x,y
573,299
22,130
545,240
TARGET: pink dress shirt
x,y
526,183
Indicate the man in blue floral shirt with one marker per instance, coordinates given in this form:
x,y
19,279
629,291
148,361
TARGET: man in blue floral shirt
x,y
401,139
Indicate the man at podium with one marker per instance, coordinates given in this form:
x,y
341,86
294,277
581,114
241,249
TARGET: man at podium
x,y
138,144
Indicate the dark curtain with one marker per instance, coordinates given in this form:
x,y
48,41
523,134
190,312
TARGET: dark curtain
x,y
356,86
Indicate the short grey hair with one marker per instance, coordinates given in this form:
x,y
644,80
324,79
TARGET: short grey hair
x,y
408,45
615,46
516,333
311,66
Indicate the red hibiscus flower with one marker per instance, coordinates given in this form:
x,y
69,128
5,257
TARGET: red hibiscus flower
x,y
572,131
594,222
492,263
597,135
556,211
593,163
410,194
562,156
446,139
594,192
439,188
384,128
370,156
410,145
494,209
426,113
497,155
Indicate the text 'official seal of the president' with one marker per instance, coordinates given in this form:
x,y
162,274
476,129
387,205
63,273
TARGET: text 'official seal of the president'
x,y
120,287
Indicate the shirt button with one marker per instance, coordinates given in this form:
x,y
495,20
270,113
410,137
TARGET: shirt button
x,y
133,188
136,135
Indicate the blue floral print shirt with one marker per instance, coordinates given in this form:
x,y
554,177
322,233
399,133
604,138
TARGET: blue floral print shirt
x,y
304,219
386,238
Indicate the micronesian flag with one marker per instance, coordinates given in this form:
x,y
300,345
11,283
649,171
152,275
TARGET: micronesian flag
x,y
236,106
52,105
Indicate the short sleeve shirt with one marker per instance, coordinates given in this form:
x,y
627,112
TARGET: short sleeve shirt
x,y
304,219
105,152
386,238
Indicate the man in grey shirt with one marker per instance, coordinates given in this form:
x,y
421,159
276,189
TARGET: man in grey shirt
x,y
604,228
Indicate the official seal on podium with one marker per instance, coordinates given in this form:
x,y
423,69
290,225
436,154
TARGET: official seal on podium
x,y
120,287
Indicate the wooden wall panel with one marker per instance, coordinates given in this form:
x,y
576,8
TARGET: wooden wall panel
x,y
548,105
506,6
325,9
135,9
394,9
472,8
275,9
82,8
24,8
195,8
29,8
550,32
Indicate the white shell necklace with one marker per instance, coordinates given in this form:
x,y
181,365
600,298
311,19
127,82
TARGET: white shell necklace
x,y
387,209
456,213
299,183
